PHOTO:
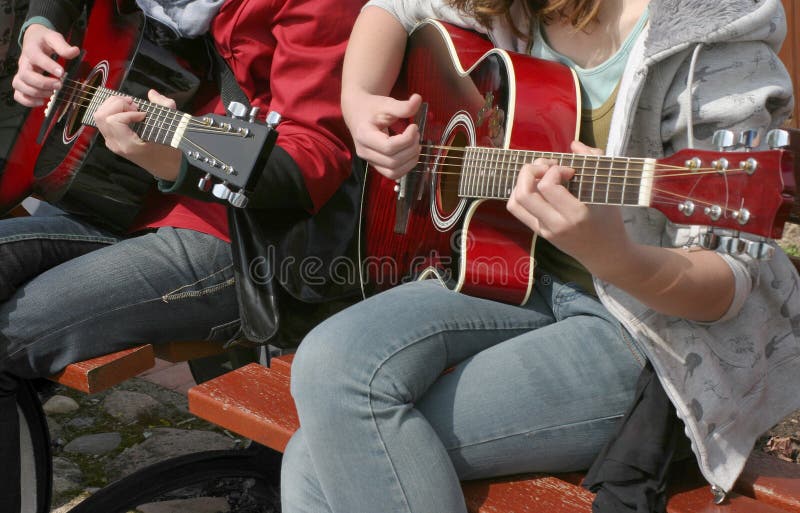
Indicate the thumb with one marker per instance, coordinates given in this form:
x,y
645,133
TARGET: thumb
x,y
579,147
159,99
399,109
59,45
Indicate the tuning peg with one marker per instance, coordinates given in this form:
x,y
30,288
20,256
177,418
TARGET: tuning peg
x,y
238,199
709,240
749,139
732,245
237,110
253,113
204,184
723,139
273,119
777,139
221,191
760,249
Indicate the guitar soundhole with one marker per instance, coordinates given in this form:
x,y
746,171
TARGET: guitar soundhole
x,y
449,175
78,103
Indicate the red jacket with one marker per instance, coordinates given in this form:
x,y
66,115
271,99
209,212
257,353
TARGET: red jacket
x,y
287,57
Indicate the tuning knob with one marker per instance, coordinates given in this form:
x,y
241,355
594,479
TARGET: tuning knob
x,y
273,119
237,110
760,250
749,139
723,139
204,184
253,114
221,191
238,199
777,139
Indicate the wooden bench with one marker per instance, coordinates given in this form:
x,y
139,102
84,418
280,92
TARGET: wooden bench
x,y
254,401
98,374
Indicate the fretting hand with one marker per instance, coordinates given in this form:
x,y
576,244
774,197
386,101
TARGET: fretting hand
x,y
114,119
593,234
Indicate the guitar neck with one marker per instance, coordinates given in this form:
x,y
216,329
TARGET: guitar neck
x,y
161,125
490,173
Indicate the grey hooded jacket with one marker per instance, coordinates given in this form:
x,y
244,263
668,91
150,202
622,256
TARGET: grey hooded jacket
x,y
699,66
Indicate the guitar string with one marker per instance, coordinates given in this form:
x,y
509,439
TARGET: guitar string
x,y
667,171
82,87
172,119
660,196
176,118
85,101
177,115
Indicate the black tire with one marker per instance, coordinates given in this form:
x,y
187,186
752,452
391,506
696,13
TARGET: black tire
x,y
36,463
257,468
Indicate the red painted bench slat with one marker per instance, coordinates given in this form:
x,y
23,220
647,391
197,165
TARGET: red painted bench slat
x,y
255,402
187,350
98,374
772,481
245,412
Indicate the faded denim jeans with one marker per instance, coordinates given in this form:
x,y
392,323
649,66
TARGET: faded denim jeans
x,y
403,395
70,291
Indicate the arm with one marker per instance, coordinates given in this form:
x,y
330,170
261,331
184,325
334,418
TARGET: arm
x,y
301,64
694,284
366,82
42,36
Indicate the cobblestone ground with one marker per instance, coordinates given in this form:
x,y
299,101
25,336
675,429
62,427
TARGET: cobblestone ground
x,y
100,438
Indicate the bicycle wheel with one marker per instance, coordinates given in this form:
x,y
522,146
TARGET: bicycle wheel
x,y
248,478
36,464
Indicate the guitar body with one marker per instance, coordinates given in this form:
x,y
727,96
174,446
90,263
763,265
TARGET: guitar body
x,y
71,167
474,95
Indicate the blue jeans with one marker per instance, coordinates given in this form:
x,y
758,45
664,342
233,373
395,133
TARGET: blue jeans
x,y
70,291
405,394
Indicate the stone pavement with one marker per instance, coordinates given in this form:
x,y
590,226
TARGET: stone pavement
x,y
103,437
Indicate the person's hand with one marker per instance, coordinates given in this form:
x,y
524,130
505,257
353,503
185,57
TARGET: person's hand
x,y
114,118
391,155
31,86
540,199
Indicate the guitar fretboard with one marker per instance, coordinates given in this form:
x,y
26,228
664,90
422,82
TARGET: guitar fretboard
x,y
161,124
490,173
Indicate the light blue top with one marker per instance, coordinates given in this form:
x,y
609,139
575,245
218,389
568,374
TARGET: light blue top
x,y
598,83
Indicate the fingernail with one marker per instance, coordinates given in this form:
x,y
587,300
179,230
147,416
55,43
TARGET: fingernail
x,y
58,72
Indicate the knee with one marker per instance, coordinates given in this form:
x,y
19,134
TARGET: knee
x,y
322,365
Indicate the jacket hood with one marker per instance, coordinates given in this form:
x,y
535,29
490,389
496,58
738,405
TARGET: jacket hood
x,y
676,24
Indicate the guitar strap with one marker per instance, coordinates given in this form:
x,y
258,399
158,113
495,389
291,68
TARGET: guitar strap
x,y
228,86
258,302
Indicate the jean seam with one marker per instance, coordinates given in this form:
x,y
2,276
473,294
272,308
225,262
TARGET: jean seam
x,y
82,321
105,312
198,293
380,366
174,294
637,354
52,236
536,431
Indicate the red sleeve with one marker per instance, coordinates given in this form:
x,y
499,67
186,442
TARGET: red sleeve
x,y
295,69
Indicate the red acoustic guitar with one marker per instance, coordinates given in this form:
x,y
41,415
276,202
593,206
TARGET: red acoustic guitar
x,y
60,155
487,112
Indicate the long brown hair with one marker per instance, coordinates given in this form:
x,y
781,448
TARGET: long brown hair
x,y
578,12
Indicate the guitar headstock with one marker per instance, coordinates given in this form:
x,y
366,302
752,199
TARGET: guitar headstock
x,y
745,191
231,150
